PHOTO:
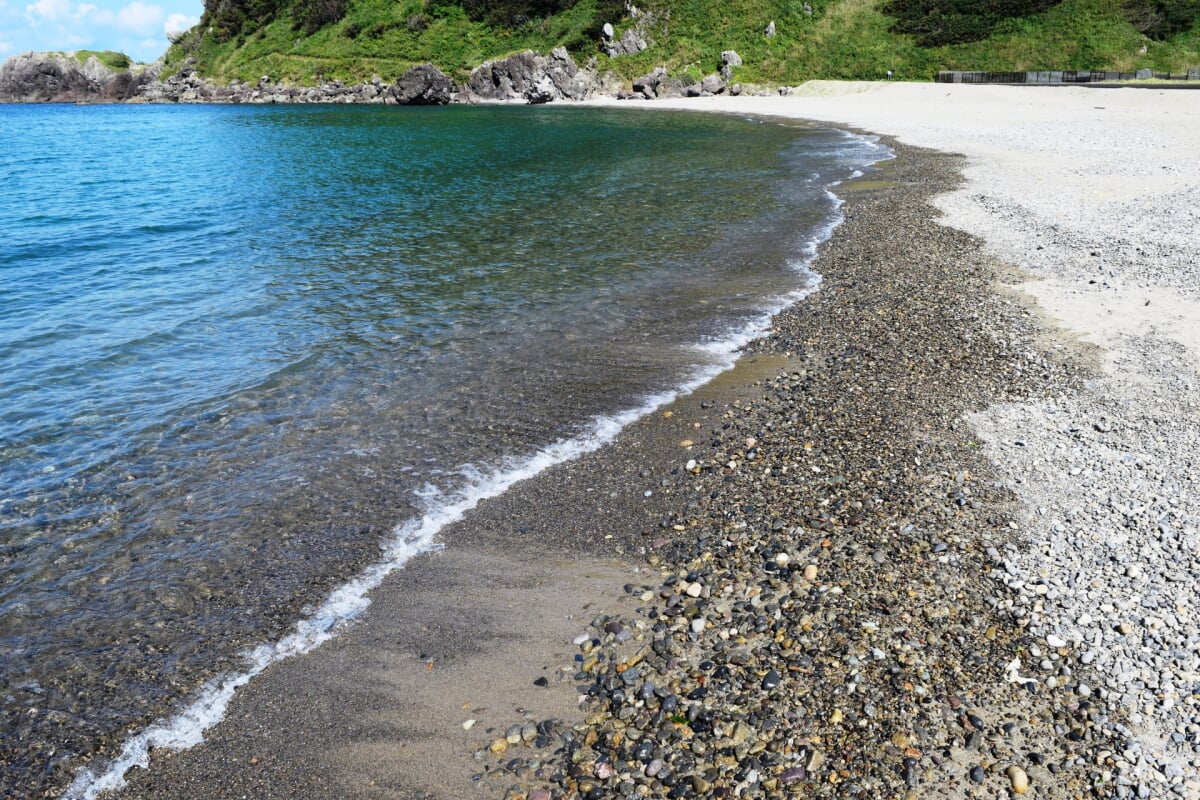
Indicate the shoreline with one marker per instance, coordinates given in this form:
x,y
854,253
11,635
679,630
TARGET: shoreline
x,y
843,365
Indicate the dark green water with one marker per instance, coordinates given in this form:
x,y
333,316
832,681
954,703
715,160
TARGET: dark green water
x,y
247,353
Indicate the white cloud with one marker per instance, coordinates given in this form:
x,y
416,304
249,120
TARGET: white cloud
x,y
47,10
178,24
140,18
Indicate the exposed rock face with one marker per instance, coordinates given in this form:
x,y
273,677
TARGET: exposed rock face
x,y
423,85
186,86
631,42
62,78
532,77
634,40
729,60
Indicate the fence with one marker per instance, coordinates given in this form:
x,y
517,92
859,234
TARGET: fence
x,y
1055,77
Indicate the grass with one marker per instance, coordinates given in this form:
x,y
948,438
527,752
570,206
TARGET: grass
x,y
841,39
109,58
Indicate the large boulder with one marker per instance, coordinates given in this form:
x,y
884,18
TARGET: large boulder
x,y
647,85
532,77
422,85
712,84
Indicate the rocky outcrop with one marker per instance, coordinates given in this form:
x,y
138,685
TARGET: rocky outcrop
x,y
423,85
63,78
634,39
187,86
631,42
532,77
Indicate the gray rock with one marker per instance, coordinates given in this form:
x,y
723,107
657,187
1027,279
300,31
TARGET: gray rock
x,y
730,58
532,77
712,84
631,43
770,31
647,85
422,85
541,92
62,78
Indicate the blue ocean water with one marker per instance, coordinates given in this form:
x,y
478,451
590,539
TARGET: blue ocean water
x,y
240,346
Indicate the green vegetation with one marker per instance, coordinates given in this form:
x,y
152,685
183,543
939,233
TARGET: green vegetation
x,y
109,58
307,41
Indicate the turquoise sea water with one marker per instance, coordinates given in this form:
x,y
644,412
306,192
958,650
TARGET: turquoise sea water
x,y
239,346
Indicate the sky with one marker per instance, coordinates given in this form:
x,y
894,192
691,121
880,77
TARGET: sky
x,y
138,28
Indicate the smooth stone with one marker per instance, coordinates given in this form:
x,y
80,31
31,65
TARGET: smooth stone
x,y
976,774
770,680
1019,780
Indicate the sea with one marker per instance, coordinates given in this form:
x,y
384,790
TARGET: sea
x,y
252,359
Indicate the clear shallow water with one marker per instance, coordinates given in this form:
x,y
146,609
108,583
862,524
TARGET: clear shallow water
x,y
240,346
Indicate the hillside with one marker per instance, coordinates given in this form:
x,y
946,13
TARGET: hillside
x,y
309,41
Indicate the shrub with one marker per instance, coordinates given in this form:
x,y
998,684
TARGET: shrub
x,y
940,22
312,15
1162,19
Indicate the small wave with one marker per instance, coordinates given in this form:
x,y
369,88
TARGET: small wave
x,y
414,537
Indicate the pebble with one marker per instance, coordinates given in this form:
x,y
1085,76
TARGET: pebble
x,y
1019,779
892,659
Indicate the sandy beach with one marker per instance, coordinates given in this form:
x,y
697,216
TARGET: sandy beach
x,y
935,536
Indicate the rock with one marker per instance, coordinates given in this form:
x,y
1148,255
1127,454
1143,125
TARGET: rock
x,y
791,775
1018,779
712,84
670,87
532,77
422,85
976,774
770,31
630,43
608,31
730,58
770,680
810,572
63,78
541,92
647,85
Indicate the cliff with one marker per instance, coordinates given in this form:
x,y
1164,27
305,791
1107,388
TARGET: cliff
x,y
71,78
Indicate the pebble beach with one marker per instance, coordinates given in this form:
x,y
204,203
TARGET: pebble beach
x,y
934,536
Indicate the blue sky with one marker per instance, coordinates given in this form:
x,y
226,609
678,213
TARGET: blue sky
x,y
138,28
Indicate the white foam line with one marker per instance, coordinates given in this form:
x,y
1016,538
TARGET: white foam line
x,y
186,729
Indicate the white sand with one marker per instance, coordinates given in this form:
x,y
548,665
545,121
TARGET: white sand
x,y
1095,193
